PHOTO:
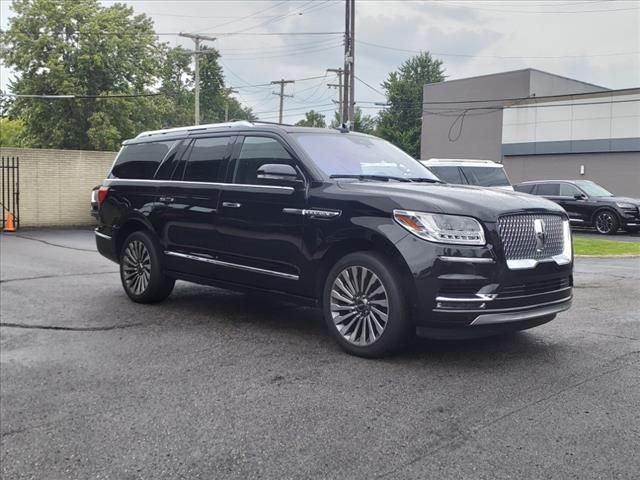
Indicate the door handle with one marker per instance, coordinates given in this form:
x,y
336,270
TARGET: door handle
x,y
231,204
167,199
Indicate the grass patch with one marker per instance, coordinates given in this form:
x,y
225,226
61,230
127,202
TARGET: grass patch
x,y
589,246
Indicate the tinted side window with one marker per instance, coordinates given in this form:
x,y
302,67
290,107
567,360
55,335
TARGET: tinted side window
x,y
206,158
448,174
568,190
255,152
528,188
548,189
140,160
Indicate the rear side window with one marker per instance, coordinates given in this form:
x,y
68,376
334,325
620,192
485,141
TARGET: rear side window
x,y
448,174
528,188
548,189
486,176
140,160
206,159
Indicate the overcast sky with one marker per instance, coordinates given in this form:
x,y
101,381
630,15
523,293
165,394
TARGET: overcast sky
x,y
593,41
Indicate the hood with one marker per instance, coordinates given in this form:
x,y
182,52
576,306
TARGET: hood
x,y
486,204
633,201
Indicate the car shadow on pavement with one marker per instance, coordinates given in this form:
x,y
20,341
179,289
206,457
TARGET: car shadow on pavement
x,y
249,314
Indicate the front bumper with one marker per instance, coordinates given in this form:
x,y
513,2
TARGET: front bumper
x,y
462,292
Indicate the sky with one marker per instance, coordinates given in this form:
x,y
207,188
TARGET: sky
x,y
593,41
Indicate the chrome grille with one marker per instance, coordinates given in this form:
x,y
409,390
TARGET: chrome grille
x,y
519,238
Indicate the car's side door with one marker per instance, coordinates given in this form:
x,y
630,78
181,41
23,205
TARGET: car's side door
x,y
575,203
260,221
186,223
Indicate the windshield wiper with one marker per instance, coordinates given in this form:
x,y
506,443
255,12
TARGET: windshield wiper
x,y
425,180
385,178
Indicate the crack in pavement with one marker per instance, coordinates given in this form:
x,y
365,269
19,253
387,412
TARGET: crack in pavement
x,y
54,276
475,430
72,329
56,244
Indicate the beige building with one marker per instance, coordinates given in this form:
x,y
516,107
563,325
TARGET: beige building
x,y
55,185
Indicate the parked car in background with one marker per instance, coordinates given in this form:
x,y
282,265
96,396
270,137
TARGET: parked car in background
x,y
588,204
337,219
483,173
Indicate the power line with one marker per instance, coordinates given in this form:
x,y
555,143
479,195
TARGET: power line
x,y
441,54
82,97
451,4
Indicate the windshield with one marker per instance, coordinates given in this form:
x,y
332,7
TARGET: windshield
x,y
348,154
486,176
593,189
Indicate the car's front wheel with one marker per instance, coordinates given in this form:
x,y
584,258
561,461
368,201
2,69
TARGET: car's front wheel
x,y
141,272
606,222
364,306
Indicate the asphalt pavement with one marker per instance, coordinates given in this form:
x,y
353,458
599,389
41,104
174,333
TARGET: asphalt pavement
x,y
212,384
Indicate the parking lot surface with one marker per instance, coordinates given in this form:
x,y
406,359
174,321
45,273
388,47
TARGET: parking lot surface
x,y
212,384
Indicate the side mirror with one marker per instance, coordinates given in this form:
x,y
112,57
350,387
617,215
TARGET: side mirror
x,y
580,196
278,174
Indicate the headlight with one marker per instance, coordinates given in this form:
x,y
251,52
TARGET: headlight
x,y
440,228
625,205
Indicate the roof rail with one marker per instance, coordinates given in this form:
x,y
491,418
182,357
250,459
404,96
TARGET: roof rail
x,y
196,128
474,160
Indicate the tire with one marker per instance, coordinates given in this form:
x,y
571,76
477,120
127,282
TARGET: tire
x,y
141,271
606,222
364,332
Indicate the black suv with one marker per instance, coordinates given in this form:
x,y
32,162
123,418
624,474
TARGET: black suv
x,y
336,219
588,204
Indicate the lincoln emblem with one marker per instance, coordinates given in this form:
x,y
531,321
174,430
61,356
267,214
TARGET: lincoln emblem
x,y
541,235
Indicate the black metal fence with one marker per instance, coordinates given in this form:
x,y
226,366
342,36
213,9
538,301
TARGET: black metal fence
x,y
9,190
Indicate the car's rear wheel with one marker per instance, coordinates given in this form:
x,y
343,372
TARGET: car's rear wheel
x,y
364,306
141,270
606,222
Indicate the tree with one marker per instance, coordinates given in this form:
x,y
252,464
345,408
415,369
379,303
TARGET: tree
x,y
361,122
78,47
312,119
400,123
11,133
177,84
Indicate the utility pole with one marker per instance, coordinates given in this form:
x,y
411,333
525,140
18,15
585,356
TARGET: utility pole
x,y
197,39
347,65
339,72
349,50
228,92
282,83
352,71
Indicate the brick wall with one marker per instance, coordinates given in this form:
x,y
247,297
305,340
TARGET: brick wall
x,y
55,185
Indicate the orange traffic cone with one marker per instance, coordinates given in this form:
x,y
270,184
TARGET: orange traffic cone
x,y
10,225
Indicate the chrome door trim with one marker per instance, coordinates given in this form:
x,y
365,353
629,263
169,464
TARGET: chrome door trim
x,y
112,181
232,265
312,212
467,259
231,204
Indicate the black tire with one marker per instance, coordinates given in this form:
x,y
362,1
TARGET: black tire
x,y
141,270
606,222
356,331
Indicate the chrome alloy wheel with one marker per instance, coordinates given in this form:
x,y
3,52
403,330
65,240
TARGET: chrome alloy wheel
x,y
137,267
359,305
604,222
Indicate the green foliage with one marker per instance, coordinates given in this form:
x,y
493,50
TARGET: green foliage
x,y
361,122
312,119
401,122
81,48
11,133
